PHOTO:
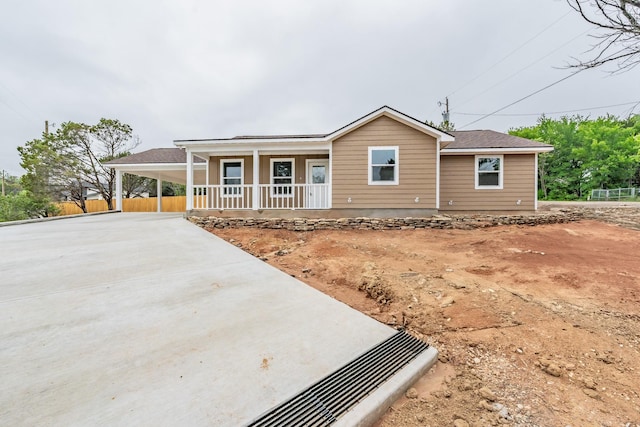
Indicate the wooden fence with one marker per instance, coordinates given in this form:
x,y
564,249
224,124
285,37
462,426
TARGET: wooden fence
x,y
169,204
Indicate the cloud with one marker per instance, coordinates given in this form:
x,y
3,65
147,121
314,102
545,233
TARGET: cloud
x,y
195,69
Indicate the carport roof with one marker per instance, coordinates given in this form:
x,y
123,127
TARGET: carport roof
x,y
155,155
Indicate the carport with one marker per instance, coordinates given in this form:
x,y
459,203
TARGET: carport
x,y
161,164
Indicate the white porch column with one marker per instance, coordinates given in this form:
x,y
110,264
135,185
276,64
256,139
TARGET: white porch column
x,y
159,193
118,190
189,180
206,176
256,180
330,194
438,174
535,186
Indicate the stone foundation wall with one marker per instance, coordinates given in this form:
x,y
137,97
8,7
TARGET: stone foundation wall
x,y
438,221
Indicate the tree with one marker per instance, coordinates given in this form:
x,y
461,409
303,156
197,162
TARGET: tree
x,y
445,125
66,163
619,39
92,146
610,152
115,139
559,172
24,205
588,154
168,189
135,185
41,162
10,184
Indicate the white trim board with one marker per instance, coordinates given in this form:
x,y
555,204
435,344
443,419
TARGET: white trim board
x,y
467,151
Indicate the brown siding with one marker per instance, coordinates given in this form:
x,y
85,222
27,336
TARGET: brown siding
x,y
457,183
416,162
214,168
300,177
299,166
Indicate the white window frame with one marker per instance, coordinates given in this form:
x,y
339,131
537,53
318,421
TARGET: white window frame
x,y
478,172
222,178
273,178
396,175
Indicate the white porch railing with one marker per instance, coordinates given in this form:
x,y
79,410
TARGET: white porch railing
x,y
285,196
222,197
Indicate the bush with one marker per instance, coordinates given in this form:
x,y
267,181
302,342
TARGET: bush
x,y
24,205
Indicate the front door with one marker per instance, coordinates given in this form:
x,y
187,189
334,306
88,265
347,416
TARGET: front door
x,y
317,194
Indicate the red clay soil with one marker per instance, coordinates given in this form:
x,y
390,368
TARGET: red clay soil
x,y
536,326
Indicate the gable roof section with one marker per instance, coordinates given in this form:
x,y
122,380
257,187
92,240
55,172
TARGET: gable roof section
x,y
491,141
438,134
326,138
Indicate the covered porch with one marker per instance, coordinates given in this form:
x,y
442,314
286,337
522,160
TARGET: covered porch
x,y
272,175
232,176
241,197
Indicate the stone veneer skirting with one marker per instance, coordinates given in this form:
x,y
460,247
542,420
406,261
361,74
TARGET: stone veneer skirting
x,y
437,221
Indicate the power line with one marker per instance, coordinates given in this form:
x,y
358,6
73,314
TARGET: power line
x,y
524,68
549,112
19,99
16,111
523,98
510,53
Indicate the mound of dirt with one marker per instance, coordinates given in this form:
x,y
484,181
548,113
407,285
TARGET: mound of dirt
x,y
536,326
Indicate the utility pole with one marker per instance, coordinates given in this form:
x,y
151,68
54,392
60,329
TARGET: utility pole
x,y
445,113
446,124
46,127
3,182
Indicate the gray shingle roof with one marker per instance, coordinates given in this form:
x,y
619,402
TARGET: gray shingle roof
x,y
155,155
489,139
465,139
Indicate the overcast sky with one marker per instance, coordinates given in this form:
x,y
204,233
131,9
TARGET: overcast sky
x,y
204,69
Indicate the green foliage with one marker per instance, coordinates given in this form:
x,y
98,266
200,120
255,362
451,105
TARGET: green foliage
x,y
588,154
11,184
168,189
135,185
25,205
173,189
444,125
65,163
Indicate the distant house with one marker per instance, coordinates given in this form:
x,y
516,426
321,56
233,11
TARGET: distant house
x,y
383,164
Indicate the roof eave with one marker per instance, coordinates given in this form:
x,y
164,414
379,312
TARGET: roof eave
x,y
497,150
183,143
153,166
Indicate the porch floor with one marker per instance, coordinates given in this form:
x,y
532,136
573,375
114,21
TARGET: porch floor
x,y
314,213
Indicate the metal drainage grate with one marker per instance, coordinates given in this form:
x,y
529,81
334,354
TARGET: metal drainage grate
x,y
325,401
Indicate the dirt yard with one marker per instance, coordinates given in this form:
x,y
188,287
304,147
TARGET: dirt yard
x,y
536,326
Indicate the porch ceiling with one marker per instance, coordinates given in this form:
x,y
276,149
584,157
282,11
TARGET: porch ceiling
x,y
176,173
264,149
213,153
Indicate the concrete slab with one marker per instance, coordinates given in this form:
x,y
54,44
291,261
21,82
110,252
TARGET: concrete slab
x,y
145,319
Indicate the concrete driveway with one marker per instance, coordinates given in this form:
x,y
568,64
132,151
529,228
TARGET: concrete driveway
x,y
145,319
